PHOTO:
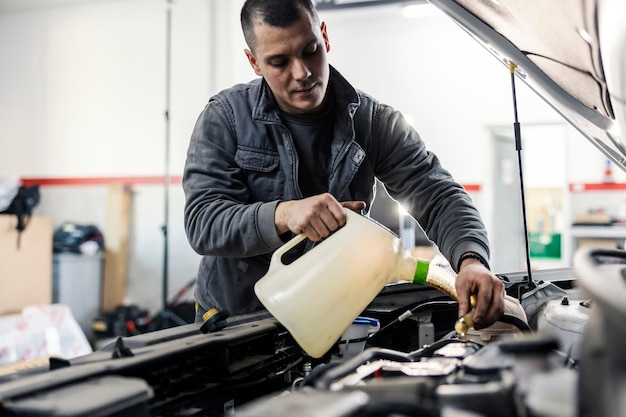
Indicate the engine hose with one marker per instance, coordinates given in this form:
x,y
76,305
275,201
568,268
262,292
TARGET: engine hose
x,y
515,321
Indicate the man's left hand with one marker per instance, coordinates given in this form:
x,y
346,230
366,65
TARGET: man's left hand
x,y
475,279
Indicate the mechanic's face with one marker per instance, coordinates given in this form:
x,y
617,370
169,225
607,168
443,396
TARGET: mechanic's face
x,y
294,63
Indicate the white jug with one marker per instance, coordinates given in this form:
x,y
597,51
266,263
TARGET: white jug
x,y
319,295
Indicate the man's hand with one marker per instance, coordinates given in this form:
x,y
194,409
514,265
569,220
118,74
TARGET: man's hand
x,y
315,216
475,279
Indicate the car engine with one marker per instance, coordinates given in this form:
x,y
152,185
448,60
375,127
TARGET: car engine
x,y
564,364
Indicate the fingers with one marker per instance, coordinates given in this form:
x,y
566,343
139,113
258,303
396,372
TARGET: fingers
x,y
321,225
484,297
495,308
490,306
355,206
463,294
316,217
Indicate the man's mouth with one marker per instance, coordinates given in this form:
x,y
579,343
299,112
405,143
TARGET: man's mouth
x,y
305,90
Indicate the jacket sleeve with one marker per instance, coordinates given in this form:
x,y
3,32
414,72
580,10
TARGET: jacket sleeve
x,y
220,218
415,177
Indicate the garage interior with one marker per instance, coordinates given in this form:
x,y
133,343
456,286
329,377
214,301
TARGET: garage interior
x,y
98,101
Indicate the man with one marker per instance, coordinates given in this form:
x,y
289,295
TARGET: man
x,y
285,153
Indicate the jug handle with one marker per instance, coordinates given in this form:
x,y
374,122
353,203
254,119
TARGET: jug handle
x,y
278,254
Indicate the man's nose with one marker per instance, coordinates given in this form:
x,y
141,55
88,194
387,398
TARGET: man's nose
x,y
301,70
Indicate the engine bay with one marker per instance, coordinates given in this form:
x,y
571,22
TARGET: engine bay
x,y
418,365
413,364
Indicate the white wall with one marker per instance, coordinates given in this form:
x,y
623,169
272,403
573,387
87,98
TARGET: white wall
x,y
83,94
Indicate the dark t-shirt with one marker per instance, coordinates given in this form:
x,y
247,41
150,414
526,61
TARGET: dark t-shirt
x,y
312,135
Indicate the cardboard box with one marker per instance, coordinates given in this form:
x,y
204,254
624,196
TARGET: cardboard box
x,y
25,269
599,243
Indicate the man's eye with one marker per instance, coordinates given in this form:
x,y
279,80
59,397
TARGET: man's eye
x,y
310,51
278,64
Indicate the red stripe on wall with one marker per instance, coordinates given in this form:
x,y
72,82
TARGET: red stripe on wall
x,y
601,186
472,188
174,180
86,181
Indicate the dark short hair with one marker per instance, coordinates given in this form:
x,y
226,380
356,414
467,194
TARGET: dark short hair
x,y
275,13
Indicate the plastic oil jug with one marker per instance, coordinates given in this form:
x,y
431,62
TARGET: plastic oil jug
x,y
318,296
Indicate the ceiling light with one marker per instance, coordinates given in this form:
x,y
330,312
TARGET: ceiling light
x,y
413,11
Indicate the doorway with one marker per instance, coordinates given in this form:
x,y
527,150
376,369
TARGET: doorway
x,y
545,186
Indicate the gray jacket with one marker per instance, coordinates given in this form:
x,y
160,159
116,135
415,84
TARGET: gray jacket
x,y
241,162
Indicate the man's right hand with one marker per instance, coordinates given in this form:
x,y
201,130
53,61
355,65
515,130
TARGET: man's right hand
x,y
315,216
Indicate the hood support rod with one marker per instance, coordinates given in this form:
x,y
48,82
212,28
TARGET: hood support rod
x,y
518,148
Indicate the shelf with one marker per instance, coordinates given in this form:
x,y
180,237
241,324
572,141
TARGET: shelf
x,y
603,234
612,232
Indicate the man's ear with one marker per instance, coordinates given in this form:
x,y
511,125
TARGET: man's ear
x,y
325,36
253,62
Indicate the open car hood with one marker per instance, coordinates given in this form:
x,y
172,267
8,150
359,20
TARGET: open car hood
x,y
572,54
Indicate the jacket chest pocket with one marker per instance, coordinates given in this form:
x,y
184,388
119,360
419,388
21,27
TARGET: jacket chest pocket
x,y
261,172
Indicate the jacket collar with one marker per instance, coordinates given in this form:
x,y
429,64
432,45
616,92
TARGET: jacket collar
x,y
346,99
